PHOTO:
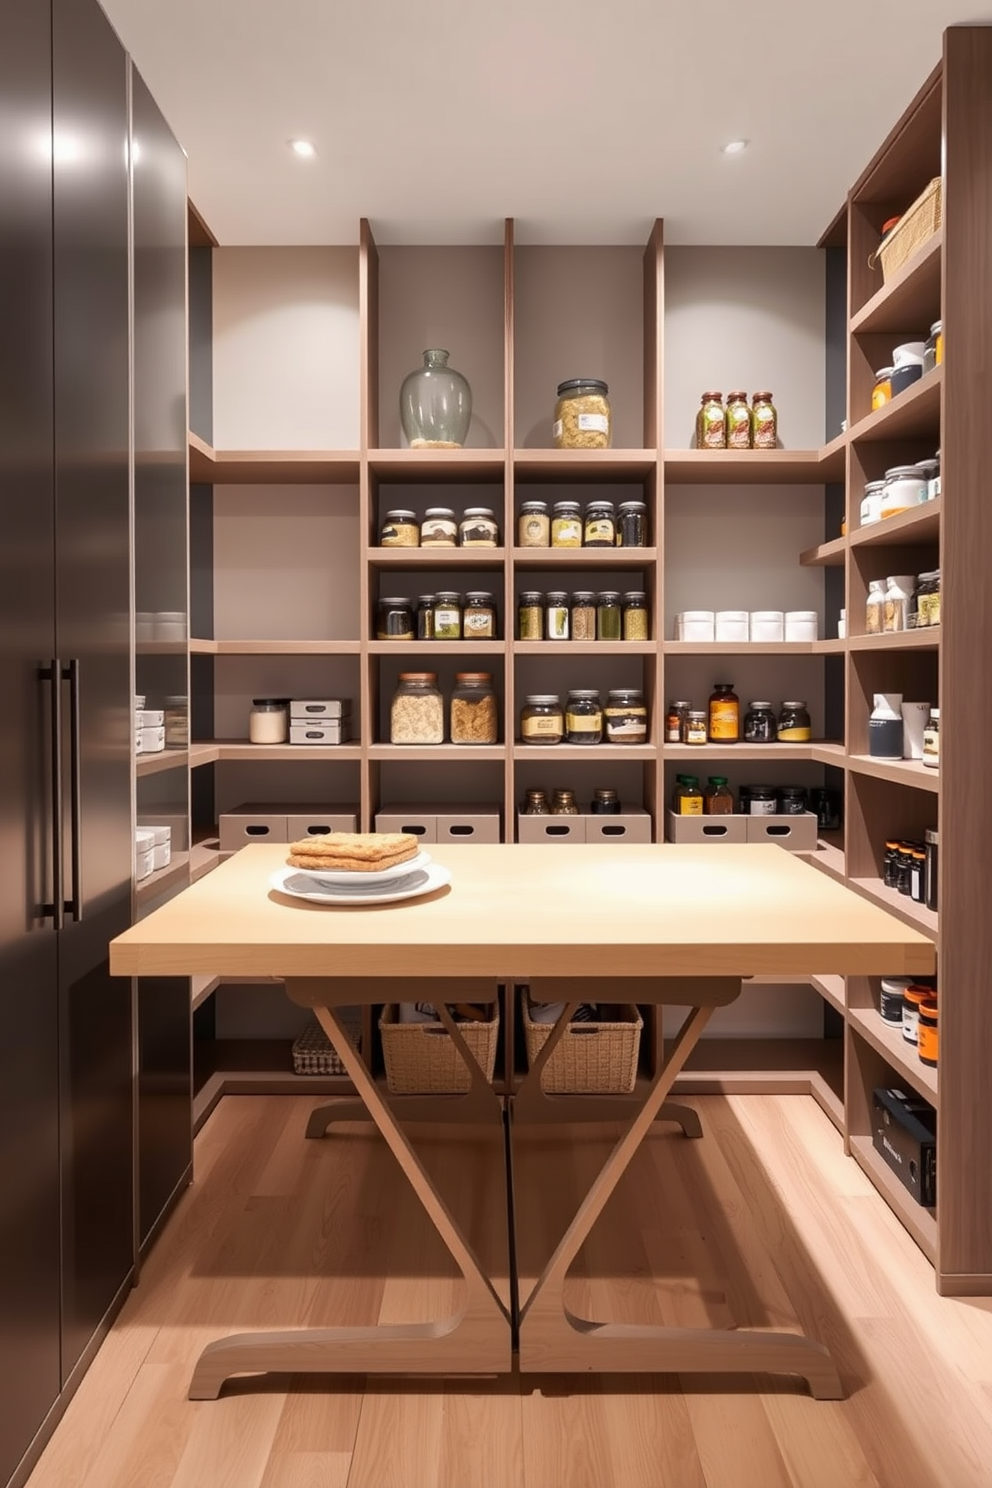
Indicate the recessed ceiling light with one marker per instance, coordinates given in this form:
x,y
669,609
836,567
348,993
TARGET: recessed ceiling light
x,y
303,148
735,147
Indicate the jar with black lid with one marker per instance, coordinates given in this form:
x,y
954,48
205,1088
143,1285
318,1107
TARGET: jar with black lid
x,y
448,616
632,524
425,617
794,725
904,867
530,615
932,849
761,800
891,865
583,717
600,529
625,716
556,612
791,800
394,621
605,803
635,615
583,615
541,719
675,717
759,724
609,622
479,615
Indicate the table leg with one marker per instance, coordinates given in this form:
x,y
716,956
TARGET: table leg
x,y
553,1339
476,1340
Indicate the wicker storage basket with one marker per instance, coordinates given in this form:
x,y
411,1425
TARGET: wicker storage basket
x,y
917,224
421,1058
313,1052
589,1056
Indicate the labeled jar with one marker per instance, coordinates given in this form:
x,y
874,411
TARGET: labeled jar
x,y
530,615
761,800
479,615
541,719
875,606
935,597
718,798
439,528
695,726
904,488
600,525
536,803
871,503
473,709
918,875
926,584
899,592
904,374
724,725
881,393
417,712
583,716
534,525
886,732
635,615
791,800
927,1040
760,726
625,716
556,615
764,422
583,416
394,620
794,725
931,740
934,490
605,803
400,529
738,422
583,615
176,721
711,422
268,721
478,528
911,999
931,847
425,616
675,720
609,619
566,525
632,524
448,616
893,989
929,473
563,803
687,798
890,875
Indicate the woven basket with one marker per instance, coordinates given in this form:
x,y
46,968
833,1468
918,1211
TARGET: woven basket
x,y
313,1052
421,1058
589,1056
914,228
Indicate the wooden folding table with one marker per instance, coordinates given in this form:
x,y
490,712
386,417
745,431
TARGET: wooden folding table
x,y
663,924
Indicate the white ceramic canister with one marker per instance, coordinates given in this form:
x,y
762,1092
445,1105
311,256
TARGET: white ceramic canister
x,y
144,853
899,591
152,740
149,718
931,740
731,625
767,625
907,353
885,732
161,833
905,487
871,503
915,717
802,625
144,625
698,625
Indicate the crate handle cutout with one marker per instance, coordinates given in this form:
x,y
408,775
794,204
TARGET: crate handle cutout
x,y
318,831
417,830
462,831
782,831
614,831
557,831
258,831
715,831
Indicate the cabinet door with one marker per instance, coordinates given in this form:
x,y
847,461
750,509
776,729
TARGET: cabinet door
x,y
92,501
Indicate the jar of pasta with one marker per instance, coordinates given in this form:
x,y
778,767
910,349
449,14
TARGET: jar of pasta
x,y
417,712
635,615
473,709
400,529
583,416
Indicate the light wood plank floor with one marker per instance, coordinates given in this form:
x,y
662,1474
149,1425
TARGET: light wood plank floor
x,y
764,1222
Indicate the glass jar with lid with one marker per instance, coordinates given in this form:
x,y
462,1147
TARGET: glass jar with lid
x,y
534,525
416,715
394,620
695,727
933,351
871,503
600,526
791,800
724,714
718,798
583,416
738,422
478,528
761,800
609,617
583,615
536,803
177,721
479,615
760,726
563,803
583,716
675,718
556,615
711,422
425,616
931,740
632,524
881,393
400,529
473,709
448,616
687,798
268,722
605,802
625,717
439,528
794,725
530,615
899,592
764,421
635,615
566,525
541,719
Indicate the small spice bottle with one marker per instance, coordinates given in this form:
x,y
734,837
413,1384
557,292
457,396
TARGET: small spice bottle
x,y
609,618
583,717
738,422
881,393
764,421
583,615
600,528
932,849
635,615
675,719
890,999
605,803
473,709
911,999
394,620
632,524
425,616
439,528
448,616
563,803
478,528
530,615
791,800
534,525
759,724
695,726
566,525
479,615
400,529
625,716
536,803
711,422
918,875
541,719
761,800
556,615
724,715
718,798
931,740
794,725
687,798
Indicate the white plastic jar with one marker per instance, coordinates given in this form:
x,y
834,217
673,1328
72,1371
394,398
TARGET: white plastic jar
x,y
875,606
899,591
697,625
871,503
767,625
802,625
268,722
905,487
731,625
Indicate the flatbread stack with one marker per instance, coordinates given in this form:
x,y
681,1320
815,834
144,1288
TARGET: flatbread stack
x,y
353,852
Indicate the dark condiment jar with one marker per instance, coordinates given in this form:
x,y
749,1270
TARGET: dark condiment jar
x,y
791,800
632,524
600,526
724,715
890,875
932,851
605,803
904,865
891,994
609,623
563,803
675,722
826,804
536,803
718,798
759,724
918,875
394,620
794,725
425,617
761,800
583,717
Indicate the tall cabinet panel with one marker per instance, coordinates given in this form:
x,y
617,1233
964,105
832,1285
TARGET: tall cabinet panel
x,y
29,1191
93,604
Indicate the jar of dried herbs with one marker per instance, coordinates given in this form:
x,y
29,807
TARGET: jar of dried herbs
x,y
738,422
583,615
635,615
609,623
448,616
530,615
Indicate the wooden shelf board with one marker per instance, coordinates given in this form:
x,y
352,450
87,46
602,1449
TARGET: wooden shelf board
x,y
918,527
200,989
833,646
163,879
901,772
423,752
829,856
160,648
827,555
166,759
220,750
830,1101
754,467
748,751
832,988
916,915
913,414
585,648
205,856
886,1039
738,648
595,753
199,234
921,1223
209,466
466,649
468,558
757,1066
202,646
910,301
581,465
437,464
605,558
827,753
927,639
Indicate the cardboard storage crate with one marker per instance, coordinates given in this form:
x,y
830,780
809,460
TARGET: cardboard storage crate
x,y
707,828
550,828
797,833
631,824
277,822
319,821
443,821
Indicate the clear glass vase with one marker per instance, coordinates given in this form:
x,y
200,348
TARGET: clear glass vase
x,y
435,405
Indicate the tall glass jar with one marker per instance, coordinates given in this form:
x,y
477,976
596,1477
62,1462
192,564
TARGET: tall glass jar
x,y
635,615
583,615
609,621
435,404
583,717
583,416
530,615
417,712
738,422
711,422
566,525
764,421
632,524
473,709
541,719
556,615
534,525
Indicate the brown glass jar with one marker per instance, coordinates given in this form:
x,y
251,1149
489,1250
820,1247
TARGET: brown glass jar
x,y
724,715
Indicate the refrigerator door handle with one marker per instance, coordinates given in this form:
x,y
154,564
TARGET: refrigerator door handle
x,y
74,905
55,909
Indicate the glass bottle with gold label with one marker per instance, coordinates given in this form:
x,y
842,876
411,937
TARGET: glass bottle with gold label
x,y
725,715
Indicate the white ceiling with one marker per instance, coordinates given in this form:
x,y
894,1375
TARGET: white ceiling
x,y
582,119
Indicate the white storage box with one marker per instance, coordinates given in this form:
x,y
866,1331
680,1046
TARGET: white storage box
x,y
153,718
302,710
695,625
631,824
252,823
797,833
802,625
707,828
767,625
334,732
731,625
152,740
161,855
319,821
551,828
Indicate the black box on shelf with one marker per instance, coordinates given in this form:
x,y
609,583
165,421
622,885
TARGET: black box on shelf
x,y
904,1133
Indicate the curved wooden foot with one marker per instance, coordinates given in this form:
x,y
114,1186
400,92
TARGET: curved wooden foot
x,y
683,1116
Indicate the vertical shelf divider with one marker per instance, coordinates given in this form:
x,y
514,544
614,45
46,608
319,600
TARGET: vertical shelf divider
x,y
509,542
368,314
654,379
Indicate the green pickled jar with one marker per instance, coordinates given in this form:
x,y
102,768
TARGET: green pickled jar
x,y
609,616
711,422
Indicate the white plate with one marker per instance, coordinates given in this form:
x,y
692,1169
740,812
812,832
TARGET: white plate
x,y
298,885
371,880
